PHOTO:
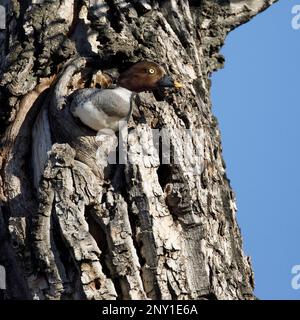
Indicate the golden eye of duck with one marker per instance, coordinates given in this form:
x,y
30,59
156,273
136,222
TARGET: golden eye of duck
x,y
151,71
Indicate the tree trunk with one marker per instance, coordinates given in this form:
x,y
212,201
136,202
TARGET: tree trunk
x,y
74,228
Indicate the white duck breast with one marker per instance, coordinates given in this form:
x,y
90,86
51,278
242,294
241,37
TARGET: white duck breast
x,y
100,109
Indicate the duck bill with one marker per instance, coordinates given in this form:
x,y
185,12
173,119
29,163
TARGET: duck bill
x,y
168,81
177,85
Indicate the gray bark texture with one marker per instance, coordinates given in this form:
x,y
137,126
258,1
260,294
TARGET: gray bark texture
x,y
71,228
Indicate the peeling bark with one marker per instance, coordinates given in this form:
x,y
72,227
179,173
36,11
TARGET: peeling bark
x,y
72,228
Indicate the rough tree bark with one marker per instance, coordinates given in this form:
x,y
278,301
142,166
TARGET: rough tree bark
x,y
72,230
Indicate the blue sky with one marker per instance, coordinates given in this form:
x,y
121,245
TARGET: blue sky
x,y
256,99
